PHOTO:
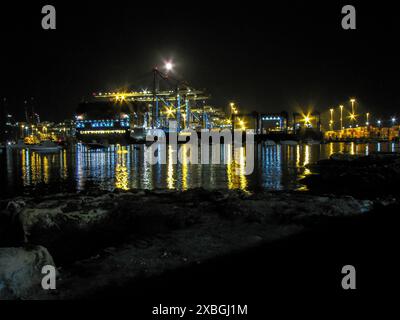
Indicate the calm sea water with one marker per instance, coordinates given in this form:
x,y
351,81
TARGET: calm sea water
x,y
276,168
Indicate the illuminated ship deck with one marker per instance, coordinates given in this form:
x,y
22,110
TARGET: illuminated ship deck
x,y
103,122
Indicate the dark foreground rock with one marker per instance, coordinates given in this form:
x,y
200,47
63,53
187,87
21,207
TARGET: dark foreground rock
x,y
63,222
110,238
20,271
375,174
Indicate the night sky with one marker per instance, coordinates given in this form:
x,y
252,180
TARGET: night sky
x,y
265,58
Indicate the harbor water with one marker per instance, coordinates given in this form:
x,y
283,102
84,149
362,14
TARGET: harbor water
x,y
278,167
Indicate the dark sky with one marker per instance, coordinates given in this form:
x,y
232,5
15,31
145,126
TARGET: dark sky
x,y
264,57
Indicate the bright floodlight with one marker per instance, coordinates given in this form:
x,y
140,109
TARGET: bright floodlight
x,y
168,66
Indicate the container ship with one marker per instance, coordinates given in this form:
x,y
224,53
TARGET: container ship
x,y
103,123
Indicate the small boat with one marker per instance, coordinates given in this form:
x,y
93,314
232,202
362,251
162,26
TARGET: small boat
x,y
45,147
20,145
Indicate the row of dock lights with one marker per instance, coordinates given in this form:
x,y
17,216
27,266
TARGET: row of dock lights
x,y
353,117
80,124
235,111
168,66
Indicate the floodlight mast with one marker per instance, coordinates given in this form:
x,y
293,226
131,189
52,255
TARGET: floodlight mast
x,y
177,83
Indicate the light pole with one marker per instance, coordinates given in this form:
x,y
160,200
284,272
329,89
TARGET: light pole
x,y
233,113
341,117
352,117
367,123
331,121
352,105
233,108
353,113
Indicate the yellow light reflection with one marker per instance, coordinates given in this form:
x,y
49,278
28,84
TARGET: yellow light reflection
x,y
170,177
331,151
184,167
235,170
64,164
121,171
25,167
352,149
242,175
46,168
307,157
36,168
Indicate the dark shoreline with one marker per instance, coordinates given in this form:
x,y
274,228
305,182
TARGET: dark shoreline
x,y
140,244
307,262
178,230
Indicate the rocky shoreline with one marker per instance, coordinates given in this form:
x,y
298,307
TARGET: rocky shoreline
x,y
373,175
103,239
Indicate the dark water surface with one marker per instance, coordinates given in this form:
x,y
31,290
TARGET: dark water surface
x,y
276,168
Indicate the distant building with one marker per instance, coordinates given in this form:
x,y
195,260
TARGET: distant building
x,y
31,117
365,132
8,126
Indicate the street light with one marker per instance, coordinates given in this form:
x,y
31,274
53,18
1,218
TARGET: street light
x,y
379,122
341,117
170,112
353,118
393,120
233,108
367,123
352,104
307,120
331,121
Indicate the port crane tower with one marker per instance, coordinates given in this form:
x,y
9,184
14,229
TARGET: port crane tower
x,y
166,102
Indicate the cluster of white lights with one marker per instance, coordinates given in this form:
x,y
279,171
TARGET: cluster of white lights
x,y
103,132
271,118
103,123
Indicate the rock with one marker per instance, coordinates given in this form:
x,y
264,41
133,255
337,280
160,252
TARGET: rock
x,y
267,207
15,206
344,157
20,271
375,174
11,231
143,234
63,223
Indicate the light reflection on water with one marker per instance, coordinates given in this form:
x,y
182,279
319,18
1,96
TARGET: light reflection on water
x,y
126,167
